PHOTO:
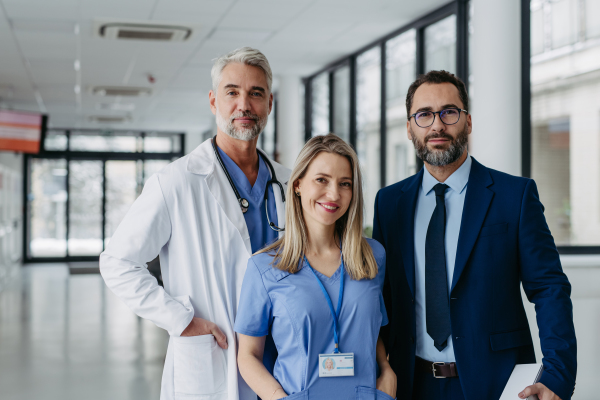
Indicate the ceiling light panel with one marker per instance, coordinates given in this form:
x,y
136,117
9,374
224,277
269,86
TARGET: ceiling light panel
x,y
124,30
126,91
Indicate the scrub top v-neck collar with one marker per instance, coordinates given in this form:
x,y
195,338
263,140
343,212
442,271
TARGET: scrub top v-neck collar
x,y
256,219
242,183
330,280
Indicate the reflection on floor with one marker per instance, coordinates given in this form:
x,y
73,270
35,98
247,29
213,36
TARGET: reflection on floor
x,y
68,337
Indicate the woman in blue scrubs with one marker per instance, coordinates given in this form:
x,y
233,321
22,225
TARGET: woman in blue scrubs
x,y
317,290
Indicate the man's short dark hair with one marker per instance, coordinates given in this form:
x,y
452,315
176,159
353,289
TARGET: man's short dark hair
x,y
434,77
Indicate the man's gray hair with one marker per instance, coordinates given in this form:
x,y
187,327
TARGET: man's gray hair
x,y
243,55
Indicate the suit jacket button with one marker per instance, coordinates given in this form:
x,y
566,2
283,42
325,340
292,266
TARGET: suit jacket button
x,y
412,339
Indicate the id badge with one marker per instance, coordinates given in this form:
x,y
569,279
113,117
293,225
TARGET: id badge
x,y
336,364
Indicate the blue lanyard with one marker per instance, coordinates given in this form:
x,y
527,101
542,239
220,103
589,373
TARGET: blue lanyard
x,y
334,314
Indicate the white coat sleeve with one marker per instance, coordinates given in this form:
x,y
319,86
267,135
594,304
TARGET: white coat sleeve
x,y
139,238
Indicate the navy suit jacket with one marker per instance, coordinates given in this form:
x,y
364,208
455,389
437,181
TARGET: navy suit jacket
x,y
504,240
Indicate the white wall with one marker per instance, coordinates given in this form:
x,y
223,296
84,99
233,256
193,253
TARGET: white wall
x,y
290,138
584,274
496,69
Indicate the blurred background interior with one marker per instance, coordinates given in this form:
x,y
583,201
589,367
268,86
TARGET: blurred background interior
x,y
119,88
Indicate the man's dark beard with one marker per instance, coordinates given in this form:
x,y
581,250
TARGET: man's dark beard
x,y
439,158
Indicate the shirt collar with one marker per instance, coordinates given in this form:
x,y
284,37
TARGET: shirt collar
x,y
240,179
457,181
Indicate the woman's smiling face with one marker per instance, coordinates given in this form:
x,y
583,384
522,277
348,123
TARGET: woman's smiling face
x,y
326,189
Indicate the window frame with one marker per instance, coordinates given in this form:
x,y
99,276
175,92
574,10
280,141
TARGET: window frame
x,y
102,156
526,120
460,8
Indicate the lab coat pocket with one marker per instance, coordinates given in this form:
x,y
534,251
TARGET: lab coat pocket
x,y
199,367
369,393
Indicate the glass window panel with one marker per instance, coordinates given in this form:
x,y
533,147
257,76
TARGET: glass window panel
x,y
320,104
564,22
565,156
85,208
401,67
368,90
161,143
440,45
95,142
268,135
537,30
153,166
47,207
341,103
121,192
55,141
592,18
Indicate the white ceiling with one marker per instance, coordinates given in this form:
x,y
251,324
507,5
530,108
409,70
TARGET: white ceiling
x,y
39,46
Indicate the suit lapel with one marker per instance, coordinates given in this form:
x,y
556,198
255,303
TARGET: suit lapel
x,y
477,203
407,203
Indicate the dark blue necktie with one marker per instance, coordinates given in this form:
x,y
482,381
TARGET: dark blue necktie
x,y
436,284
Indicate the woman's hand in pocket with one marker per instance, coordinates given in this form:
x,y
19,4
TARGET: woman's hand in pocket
x,y
387,381
200,326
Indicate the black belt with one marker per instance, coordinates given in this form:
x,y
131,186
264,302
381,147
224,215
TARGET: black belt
x,y
438,369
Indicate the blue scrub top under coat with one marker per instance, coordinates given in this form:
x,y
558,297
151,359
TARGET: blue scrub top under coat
x,y
256,219
294,309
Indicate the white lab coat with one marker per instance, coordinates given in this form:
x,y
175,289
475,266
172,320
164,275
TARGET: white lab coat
x,y
189,214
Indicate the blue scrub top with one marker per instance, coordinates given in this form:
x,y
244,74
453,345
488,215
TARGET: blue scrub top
x,y
256,219
293,308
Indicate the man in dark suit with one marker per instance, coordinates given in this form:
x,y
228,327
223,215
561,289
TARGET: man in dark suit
x,y
460,239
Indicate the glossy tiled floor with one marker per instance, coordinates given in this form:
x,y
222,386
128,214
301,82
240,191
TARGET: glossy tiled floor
x,y
68,337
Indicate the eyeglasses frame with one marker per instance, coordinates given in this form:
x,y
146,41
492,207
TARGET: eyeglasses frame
x,y
437,112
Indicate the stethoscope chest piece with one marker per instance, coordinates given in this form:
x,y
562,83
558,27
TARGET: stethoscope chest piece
x,y
244,205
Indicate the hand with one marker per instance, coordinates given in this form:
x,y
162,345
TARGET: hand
x,y
200,326
542,391
387,382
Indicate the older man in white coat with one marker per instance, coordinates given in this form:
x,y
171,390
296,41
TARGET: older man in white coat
x,y
205,214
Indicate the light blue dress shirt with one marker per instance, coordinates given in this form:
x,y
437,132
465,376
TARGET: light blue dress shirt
x,y
455,200
256,219
294,309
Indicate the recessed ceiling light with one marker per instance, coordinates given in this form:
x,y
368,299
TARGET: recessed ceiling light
x,y
109,119
144,31
121,91
116,106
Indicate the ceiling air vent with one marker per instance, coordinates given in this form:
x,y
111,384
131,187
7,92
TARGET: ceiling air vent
x,y
165,33
103,119
121,91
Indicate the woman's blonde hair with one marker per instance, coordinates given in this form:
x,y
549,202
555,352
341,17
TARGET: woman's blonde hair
x,y
291,247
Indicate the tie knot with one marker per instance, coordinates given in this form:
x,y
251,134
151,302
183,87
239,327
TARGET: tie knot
x,y
440,189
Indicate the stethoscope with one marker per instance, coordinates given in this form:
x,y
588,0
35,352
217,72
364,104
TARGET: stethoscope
x,y
244,204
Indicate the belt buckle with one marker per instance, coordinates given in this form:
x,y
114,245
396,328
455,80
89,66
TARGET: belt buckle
x,y
433,364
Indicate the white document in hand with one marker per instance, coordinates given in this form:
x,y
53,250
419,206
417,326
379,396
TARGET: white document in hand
x,y
522,376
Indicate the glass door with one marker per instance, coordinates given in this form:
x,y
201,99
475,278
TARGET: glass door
x,y
85,208
121,192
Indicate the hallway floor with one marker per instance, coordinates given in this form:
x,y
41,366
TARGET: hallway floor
x,y
68,337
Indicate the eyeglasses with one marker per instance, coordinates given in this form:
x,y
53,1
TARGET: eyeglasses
x,y
449,116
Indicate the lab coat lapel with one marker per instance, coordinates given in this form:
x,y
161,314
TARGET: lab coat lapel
x,y
407,203
203,161
477,202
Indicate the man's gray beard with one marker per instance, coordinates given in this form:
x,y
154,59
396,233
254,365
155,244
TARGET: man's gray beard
x,y
245,134
440,158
